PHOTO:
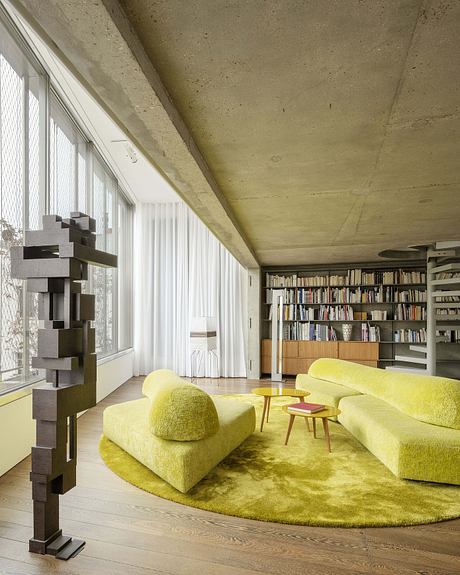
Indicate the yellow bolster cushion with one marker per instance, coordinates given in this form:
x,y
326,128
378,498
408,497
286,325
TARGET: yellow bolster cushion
x,y
179,410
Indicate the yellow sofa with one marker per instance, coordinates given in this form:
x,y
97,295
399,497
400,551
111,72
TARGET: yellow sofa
x,y
410,422
175,408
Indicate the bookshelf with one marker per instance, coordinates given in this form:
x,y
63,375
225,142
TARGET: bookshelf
x,y
386,304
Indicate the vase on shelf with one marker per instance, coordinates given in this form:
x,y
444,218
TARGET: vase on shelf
x,y
347,328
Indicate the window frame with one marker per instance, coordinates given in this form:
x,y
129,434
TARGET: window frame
x,y
48,95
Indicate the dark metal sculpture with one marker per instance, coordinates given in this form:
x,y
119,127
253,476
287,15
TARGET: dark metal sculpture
x,y
54,261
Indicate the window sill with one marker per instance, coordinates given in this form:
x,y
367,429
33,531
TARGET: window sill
x,y
19,393
15,394
113,356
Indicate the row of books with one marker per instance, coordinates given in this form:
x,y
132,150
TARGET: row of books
x,y
320,332
351,278
403,312
335,313
289,312
370,332
344,295
412,295
448,299
348,295
407,312
280,281
322,295
419,336
309,332
378,315
447,275
306,313
409,336
386,277
338,280
294,280
450,336
323,313
447,312
289,296
373,315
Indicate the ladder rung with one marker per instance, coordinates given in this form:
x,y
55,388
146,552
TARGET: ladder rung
x,y
406,369
441,253
447,244
446,282
446,268
419,348
411,359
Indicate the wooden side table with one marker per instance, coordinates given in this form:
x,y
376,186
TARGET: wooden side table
x,y
328,411
268,392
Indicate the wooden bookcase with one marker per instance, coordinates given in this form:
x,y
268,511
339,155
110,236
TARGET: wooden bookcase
x,y
299,355
399,287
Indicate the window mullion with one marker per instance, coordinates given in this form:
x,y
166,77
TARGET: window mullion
x,y
115,291
25,220
44,146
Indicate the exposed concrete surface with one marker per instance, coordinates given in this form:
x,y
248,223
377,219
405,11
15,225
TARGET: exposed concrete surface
x,y
97,43
331,128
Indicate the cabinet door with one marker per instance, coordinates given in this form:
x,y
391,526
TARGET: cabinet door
x,y
266,364
316,349
290,366
304,364
290,349
359,350
266,347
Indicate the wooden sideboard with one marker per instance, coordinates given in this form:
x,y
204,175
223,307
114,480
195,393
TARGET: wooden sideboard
x,y
299,355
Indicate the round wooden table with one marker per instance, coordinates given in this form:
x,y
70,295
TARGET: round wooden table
x,y
328,411
268,392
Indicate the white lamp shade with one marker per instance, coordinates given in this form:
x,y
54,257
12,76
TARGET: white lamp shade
x,y
203,334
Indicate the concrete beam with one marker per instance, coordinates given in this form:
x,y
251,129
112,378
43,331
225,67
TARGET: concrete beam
x,y
96,42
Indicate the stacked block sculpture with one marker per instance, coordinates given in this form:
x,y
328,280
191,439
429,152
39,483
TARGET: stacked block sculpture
x,y
55,261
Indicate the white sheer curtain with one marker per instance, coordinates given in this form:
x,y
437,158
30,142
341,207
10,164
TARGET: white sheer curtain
x,y
182,271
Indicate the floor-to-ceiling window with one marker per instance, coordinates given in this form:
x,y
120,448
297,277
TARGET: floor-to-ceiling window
x,y
68,151
48,165
125,273
104,197
21,139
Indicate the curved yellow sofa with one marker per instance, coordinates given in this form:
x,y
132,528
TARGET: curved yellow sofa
x,y
175,408
410,422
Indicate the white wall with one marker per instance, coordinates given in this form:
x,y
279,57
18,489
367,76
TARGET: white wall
x,y
253,334
111,374
17,428
17,432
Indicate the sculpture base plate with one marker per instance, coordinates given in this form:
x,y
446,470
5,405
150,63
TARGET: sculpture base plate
x,y
70,550
60,546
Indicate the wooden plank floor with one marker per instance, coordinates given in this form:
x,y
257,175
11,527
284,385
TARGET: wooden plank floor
x,y
129,532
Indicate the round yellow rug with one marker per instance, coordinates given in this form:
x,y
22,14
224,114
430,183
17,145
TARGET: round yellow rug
x,y
300,483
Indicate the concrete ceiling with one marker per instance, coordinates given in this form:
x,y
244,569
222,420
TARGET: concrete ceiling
x,y
314,131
